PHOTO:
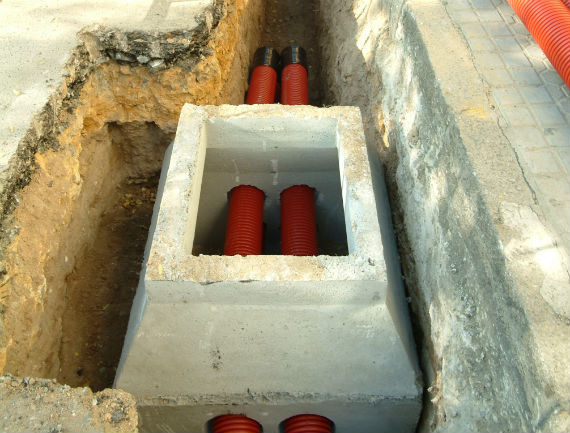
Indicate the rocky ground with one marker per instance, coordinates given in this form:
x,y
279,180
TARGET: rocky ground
x,y
42,405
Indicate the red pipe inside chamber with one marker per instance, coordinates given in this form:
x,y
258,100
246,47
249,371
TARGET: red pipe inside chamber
x,y
244,230
298,224
235,424
263,80
294,78
308,423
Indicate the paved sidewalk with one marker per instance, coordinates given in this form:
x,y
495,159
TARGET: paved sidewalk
x,y
533,102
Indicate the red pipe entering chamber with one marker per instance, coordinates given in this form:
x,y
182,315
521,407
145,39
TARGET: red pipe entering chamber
x,y
294,78
244,230
548,21
298,224
308,423
263,80
235,424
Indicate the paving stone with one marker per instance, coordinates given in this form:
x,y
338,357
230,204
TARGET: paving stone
x,y
498,77
548,115
481,44
541,161
459,5
526,76
507,96
463,17
489,60
482,4
529,137
506,12
518,29
558,136
536,95
507,43
490,16
551,77
473,30
564,157
515,59
557,188
498,29
518,115
534,52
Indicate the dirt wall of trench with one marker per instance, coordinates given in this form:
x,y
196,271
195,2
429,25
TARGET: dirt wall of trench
x,y
73,166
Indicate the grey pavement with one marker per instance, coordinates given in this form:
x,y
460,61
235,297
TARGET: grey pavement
x,y
532,101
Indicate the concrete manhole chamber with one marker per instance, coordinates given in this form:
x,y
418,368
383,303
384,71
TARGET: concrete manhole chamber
x,y
270,336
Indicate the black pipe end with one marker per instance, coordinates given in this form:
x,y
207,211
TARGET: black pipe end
x,y
266,56
294,54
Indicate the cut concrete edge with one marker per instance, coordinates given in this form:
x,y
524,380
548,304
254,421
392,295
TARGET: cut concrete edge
x,y
170,259
515,344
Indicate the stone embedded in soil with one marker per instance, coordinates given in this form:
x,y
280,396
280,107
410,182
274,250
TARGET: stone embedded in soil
x,y
40,405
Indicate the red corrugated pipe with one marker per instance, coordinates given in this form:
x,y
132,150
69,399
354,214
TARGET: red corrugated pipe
x,y
298,225
548,21
307,423
235,424
244,230
294,78
263,80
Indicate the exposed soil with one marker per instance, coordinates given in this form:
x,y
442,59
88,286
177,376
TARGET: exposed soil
x,y
101,288
42,405
76,240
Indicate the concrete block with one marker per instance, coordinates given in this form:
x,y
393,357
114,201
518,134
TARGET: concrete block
x,y
270,336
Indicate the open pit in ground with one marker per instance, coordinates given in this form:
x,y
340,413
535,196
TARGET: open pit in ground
x,y
77,206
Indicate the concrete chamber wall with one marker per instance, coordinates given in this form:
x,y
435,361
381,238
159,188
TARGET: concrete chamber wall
x,y
288,152
270,336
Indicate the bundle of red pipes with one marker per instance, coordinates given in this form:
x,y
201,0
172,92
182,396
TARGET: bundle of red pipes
x,y
304,423
244,229
264,78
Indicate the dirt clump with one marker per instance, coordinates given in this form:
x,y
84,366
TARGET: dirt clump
x,y
42,405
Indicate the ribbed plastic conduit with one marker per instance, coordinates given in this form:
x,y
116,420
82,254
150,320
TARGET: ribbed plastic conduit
x,y
244,230
548,21
298,225
235,424
263,80
294,77
307,423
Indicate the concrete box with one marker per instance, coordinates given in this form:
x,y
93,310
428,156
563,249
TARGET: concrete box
x,y
269,336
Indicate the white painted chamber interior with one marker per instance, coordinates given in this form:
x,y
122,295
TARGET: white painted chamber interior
x,y
272,154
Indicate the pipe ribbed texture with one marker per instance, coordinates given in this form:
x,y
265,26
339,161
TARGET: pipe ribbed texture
x,y
262,85
308,423
548,21
298,225
235,424
294,85
244,230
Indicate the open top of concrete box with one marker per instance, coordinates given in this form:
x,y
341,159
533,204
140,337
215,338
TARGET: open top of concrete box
x,y
271,147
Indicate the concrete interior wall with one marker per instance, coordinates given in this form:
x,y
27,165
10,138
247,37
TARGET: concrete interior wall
x,y
296,151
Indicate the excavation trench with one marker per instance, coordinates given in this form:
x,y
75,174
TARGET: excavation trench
x,y
74,240
82,220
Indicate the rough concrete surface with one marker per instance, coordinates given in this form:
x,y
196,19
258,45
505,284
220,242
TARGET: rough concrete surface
x,y
496,354
260,322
